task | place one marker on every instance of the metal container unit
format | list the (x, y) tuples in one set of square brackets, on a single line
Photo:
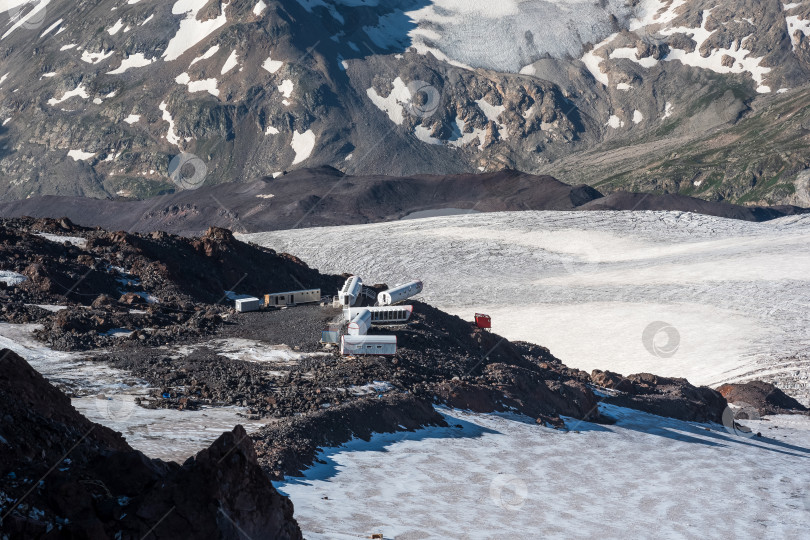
[(351, 291), (483, 321), (292, 298), (400, 293), (368, 345), (248, 304), (330, 337)]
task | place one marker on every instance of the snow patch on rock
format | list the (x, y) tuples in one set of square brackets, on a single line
[(80, 155), (272, 65), (11, 278), (79, 91), (192, 31), (204, 85), (302, 144), (230, 63), (392, 105), (134, 61)]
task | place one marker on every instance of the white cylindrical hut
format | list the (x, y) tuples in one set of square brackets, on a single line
[(360, 323), (350, 292), (400, 293)]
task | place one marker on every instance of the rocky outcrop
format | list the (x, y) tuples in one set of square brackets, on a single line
[(290, 446), (93, 485), (764, 397), (664, 396), (509, 388)]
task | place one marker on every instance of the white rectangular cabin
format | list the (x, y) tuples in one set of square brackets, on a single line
[(368, 345), (292, 298), (350, 292), (248, 304), (400, 293), (390, 314)]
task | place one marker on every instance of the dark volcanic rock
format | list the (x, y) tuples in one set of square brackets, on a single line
[(664, 396), (765, 397), (95, 486), (504, 388), (287, 202), (290, 445)]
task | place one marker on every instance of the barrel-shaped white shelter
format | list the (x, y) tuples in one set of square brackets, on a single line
[(368, 345), (360, 322), (400, 293), (390, 314), (350, 292)]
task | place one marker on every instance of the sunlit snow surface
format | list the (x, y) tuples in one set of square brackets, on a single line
[(502, 476), (587, 284)]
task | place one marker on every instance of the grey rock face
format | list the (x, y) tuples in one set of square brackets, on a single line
[(98, 98)]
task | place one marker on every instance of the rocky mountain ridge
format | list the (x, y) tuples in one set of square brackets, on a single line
[(100, 98)]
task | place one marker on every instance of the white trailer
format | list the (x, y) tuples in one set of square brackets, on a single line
[(350, 292), (360, 323), (292, 298), (368, 345), (400, 293), (248, 304), (390, 314)]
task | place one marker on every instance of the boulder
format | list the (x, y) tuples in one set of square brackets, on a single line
[(765, 397), (132, 299), (611, 380), (103, 301), (664, 396), (504, 387)]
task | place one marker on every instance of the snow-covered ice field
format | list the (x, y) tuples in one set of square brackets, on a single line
[(464, 31), (732, 297), (500, 476)]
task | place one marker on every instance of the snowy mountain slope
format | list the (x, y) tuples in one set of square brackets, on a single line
[(588, 285), (99, 97), (501, 476)]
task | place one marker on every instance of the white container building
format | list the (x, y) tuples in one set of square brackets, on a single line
[(400, 293), (368, 345), (292, 298), (390, 314), (360, 323), (350, 292), (248, 304)]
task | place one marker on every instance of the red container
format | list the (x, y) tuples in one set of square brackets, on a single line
[(483, 321)]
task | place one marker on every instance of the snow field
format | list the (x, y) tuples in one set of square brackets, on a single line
[(503, 476)]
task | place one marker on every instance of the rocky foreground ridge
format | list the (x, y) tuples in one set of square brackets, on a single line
[(66, 477)]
